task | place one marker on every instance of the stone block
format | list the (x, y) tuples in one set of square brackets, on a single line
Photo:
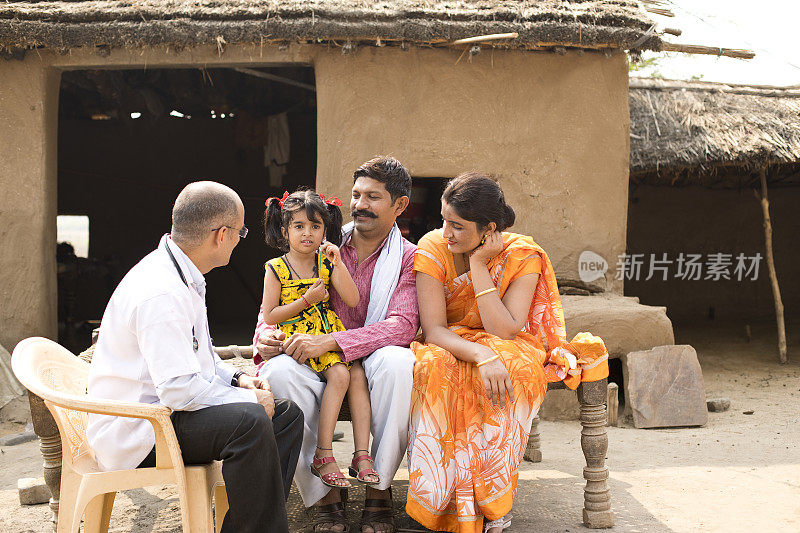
[(612, 404), (32, 491), (18, 438), (664, 387), (560, 404), (17, 411), (718, 405), (622, 322)]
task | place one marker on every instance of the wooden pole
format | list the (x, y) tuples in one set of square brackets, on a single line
[(707, 50), (773, 278), (485, 38)]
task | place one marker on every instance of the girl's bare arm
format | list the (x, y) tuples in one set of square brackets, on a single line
[(344, 284), (340, 277)]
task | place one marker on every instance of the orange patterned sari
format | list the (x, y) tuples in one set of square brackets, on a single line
[(463, 451)]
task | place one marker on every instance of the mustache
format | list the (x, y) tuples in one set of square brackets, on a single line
[(361, 213)]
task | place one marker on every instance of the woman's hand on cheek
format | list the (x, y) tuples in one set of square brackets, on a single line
[(493, 245)]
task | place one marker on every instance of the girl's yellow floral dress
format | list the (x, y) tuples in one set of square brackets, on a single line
[(315, 320)]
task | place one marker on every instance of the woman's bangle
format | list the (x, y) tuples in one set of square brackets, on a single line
[(306, 301), (487, 360), (487, 291)]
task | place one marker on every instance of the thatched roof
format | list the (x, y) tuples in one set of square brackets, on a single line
[(703, 133), (74, 23)]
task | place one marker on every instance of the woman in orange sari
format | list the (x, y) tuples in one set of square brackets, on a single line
[(494, 336)]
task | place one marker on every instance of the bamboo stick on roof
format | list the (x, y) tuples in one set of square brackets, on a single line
[(707, 50), (486, 38), (660, 11)]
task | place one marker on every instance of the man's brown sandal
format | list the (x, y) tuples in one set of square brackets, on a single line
[(334, 514), (382, 515)]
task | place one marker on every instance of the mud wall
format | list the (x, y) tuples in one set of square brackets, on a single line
[(553, 128), (28, 120)]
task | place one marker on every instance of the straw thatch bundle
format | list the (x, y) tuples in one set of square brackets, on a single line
[(179, 23), (699, 133)]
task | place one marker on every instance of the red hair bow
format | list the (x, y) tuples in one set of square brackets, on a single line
[(331, 201), (279, 200)]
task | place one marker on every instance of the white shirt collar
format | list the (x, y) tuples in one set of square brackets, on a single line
[(187, 265)]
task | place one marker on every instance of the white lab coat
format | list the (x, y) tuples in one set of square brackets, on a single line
[(145, 353)]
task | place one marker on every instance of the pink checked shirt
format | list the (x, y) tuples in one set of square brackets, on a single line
[(402, 318)]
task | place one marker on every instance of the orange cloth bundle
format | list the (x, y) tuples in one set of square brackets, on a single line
[(585, 358)]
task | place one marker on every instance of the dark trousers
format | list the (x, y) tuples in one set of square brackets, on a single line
[(258, 454)]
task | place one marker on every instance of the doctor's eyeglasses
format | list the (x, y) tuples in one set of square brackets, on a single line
[(242, 232)]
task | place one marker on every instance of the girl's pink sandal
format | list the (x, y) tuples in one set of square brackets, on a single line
[(359, 475), (330, 478)]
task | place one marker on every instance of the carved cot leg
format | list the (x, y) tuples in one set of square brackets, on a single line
[(50, 444), (533, 451), (594, 442)]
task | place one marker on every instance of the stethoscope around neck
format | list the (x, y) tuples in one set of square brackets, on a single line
[(195, 343)]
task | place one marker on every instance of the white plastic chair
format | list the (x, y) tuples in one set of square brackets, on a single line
[(57, 376)]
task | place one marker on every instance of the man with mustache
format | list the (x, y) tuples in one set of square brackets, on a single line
[(379, 331)]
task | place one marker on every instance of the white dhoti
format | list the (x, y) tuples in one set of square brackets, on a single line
[(390, 375)]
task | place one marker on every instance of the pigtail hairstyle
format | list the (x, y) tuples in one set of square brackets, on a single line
[(281, 210), (333, 226), (273, 226)]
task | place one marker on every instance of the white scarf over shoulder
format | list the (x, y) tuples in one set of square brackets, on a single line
[(386, 275)]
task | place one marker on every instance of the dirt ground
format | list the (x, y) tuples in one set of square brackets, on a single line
[(740, 472)]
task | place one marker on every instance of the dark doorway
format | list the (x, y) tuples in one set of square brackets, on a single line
[(130, 140), (424, 212)]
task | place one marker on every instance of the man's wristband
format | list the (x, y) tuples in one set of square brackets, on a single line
[(235, 378)]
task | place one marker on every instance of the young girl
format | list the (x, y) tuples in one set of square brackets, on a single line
[(308, 228)]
